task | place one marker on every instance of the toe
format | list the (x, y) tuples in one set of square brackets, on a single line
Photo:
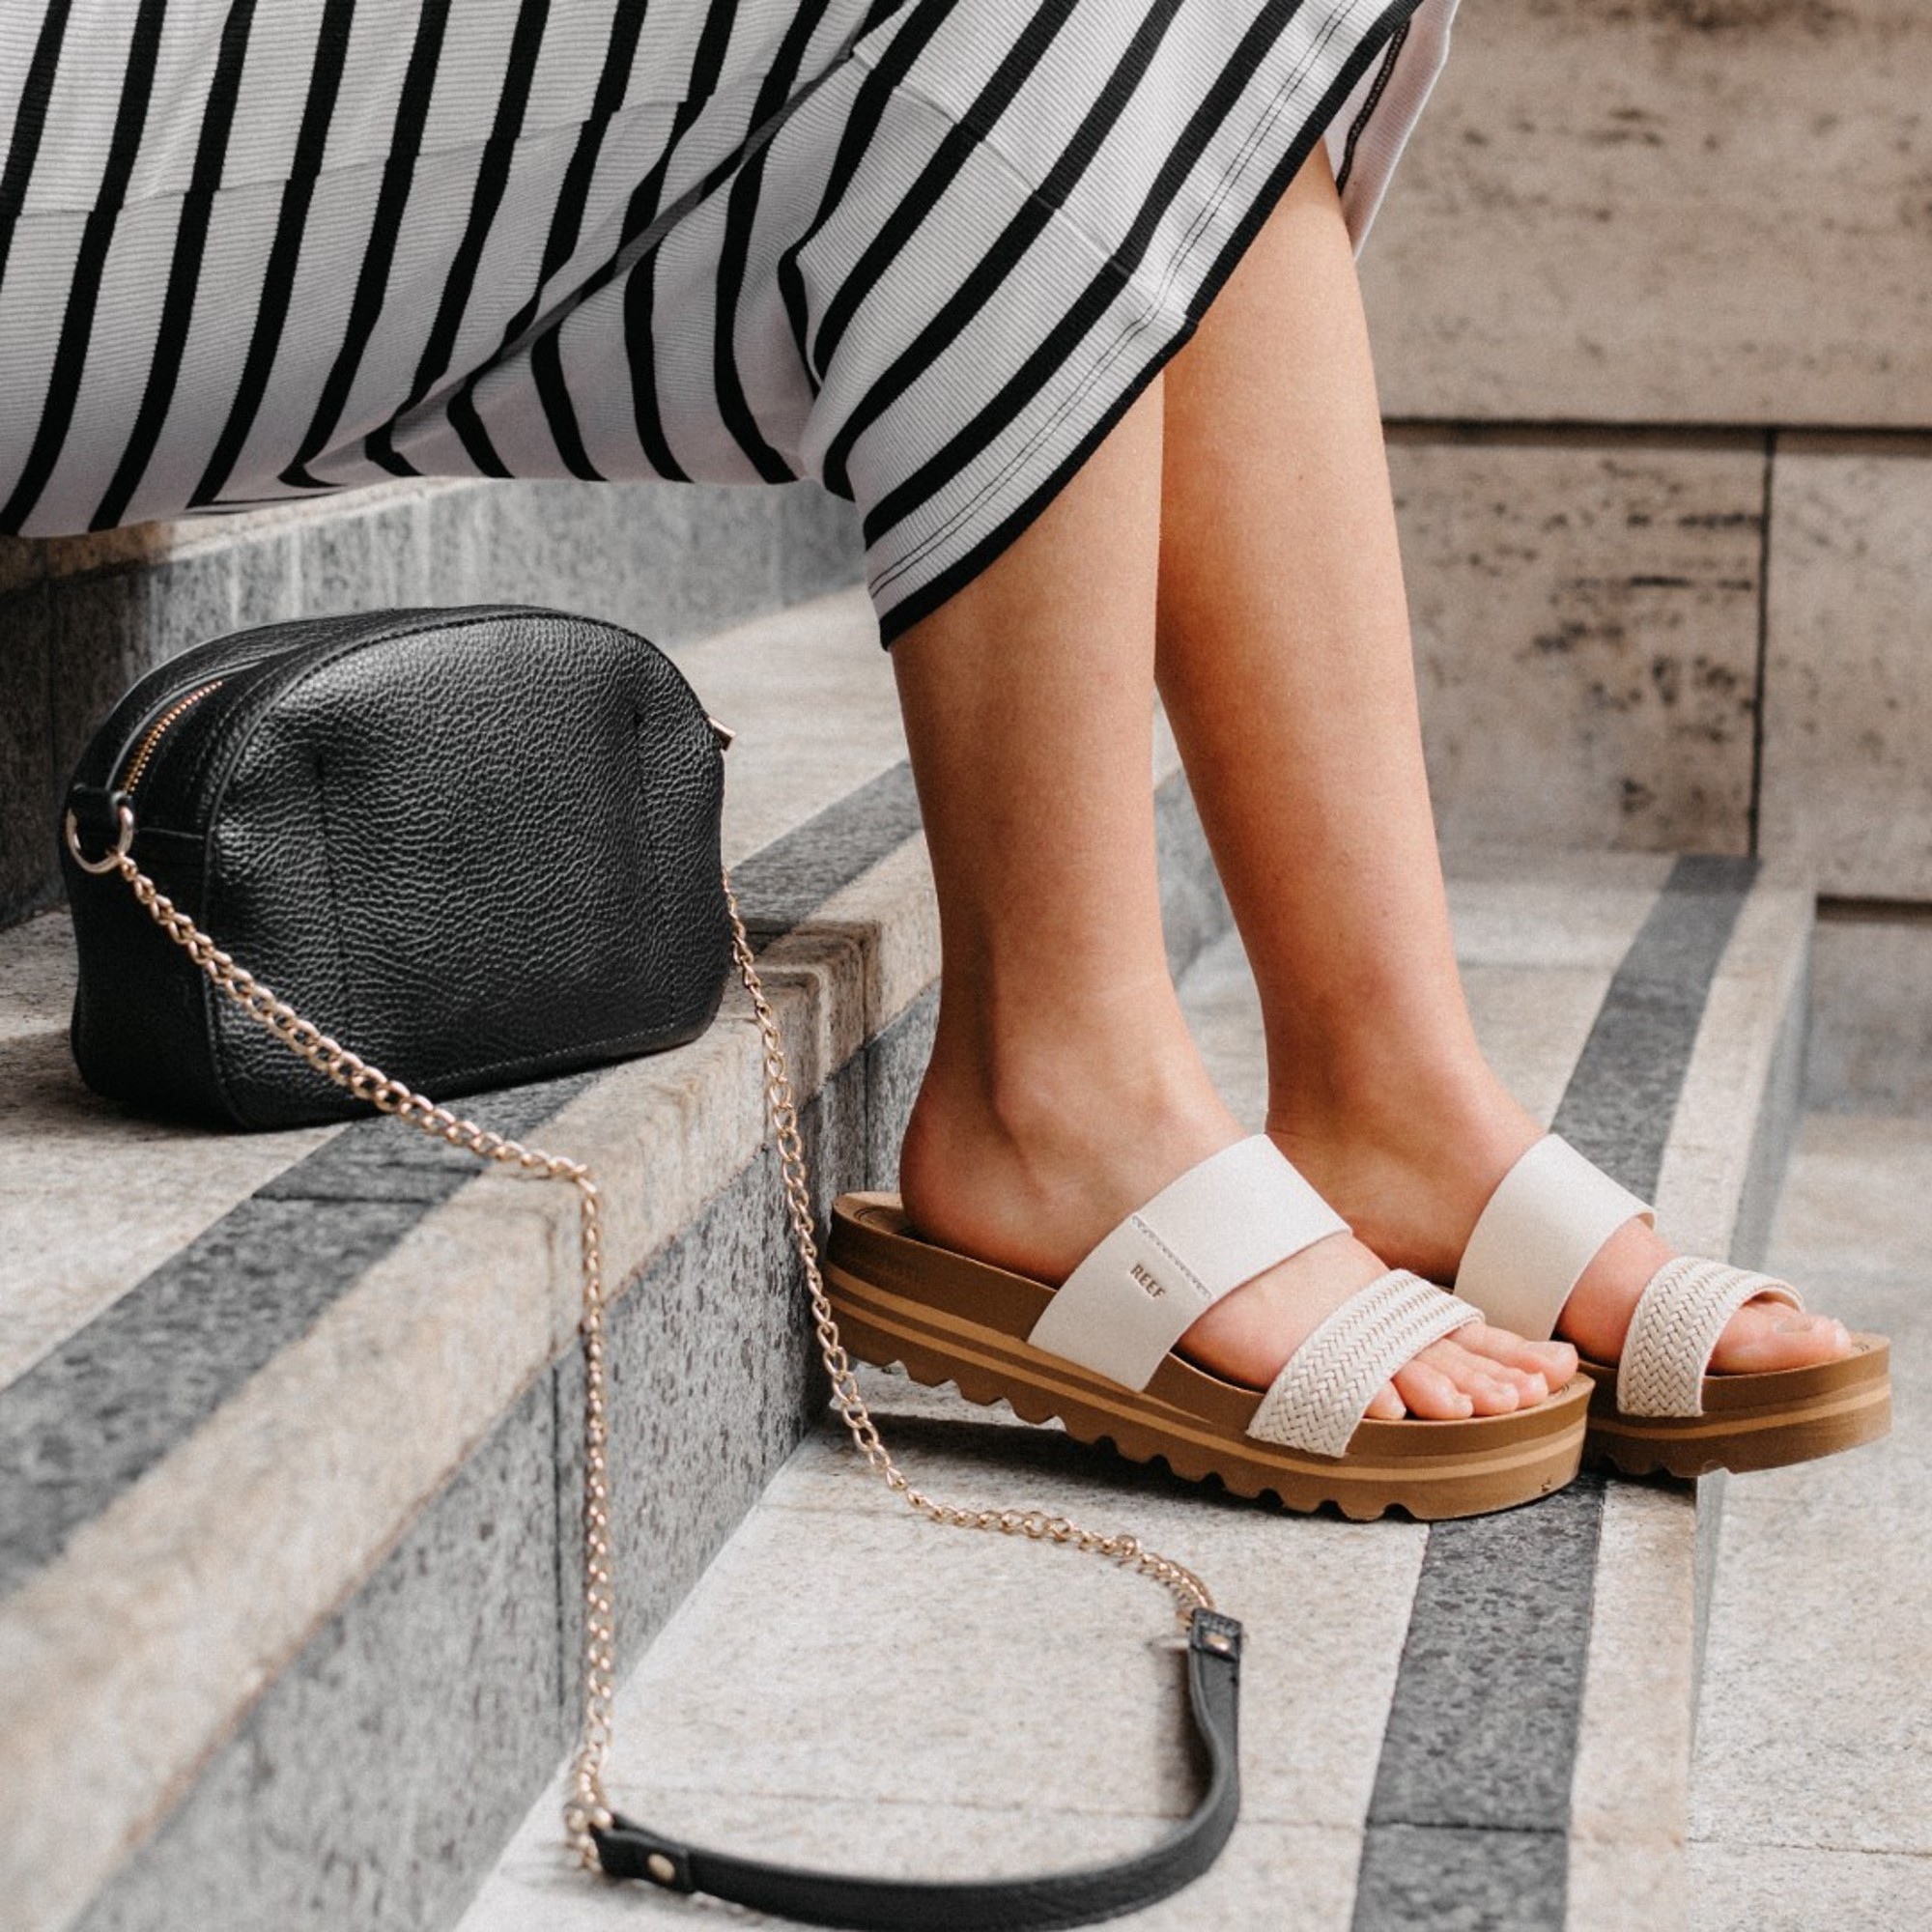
[(1430, 1394), (1494, 1389), (1496, 1355), (1531, 1387), (1488, 1389), (1553, 1362), (1766, 1336), (1388, 1406)]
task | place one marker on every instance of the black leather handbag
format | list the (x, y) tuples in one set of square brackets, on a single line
[(483, 845)]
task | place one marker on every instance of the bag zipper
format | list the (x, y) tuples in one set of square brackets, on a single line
[(151, 739), (144, 753)]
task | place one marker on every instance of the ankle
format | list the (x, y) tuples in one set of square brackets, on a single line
[(1058, 1113), (1410, 1160), (1421, 1105), (1026, 1073), (1028, 1160)]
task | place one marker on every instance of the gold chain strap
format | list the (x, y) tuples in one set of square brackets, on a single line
[(587, 1808)]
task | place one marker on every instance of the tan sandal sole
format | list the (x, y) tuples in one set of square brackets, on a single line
[(1750, 1422), (946, 1317)]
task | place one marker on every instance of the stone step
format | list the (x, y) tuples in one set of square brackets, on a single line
[(1811, 1791), (289, 1423), (1479, 1723)]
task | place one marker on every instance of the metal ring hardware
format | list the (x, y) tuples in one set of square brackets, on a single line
[(112, 861)]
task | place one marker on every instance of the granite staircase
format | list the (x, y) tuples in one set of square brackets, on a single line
[(288, 1425)]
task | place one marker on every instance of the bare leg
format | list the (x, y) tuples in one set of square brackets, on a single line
[(1284, 665), (1063, 1089)]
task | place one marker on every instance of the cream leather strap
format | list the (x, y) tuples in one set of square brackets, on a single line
[(1548, 1216), (1220, 1224), (1318, 1399), (1675, 1328)]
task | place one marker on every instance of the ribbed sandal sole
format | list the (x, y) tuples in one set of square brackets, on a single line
[(1749, 1421), (946, 1317)]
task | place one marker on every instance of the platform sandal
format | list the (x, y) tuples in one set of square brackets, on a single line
[(1098, 1351), (1661, 1409)]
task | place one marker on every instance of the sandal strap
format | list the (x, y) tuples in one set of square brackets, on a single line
[(1542, 1228), (1316, 1401), (1143, 1286), (1678, 1322)]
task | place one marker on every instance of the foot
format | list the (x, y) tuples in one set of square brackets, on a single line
[(1412, 1179), (1034, 1184)]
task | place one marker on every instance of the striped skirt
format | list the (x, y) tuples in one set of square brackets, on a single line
[(925, 251)]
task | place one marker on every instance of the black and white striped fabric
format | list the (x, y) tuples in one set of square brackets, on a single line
[(924, 250)]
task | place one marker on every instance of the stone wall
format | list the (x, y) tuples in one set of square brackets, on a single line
[(1652, 304), (1652, 300)]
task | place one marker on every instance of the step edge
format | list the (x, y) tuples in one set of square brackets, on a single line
[(57, 1734), (1651, 1688)]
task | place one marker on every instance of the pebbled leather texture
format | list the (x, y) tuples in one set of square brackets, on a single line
[(1035, 1904), (478, 846)]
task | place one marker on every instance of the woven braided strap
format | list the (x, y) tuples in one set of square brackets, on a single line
[(1318, 1399), (1677, 1325)]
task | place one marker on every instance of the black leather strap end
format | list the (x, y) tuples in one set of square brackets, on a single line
[(635, 1851), (1040, 1903), (1214, 1636)]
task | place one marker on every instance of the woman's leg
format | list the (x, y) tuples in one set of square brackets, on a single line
[(1285, 665), (1063, 1089)]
